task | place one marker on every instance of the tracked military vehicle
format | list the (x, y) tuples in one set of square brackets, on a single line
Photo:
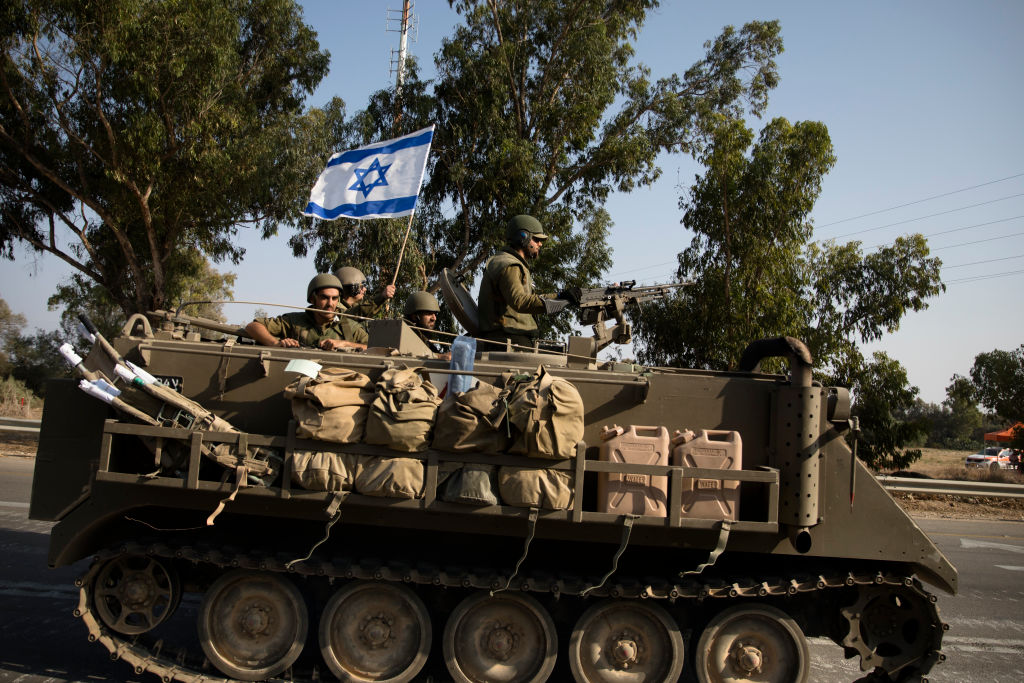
[(711, 555)]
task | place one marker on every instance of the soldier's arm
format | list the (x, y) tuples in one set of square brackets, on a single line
[(510, 284), (258, 331), (369, 308)]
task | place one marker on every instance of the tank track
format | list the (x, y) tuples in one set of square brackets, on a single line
[(150, 657)]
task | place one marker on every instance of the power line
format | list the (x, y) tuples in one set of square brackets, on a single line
[(978, 263), (966, 244), (919, 201), (932, 215), (989, 276)]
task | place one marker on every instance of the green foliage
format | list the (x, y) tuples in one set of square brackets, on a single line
[(757, 275), (28, 360), (998, 381), (135, 135), (539, 109), (35, 359), (883, 402), (10, 329)]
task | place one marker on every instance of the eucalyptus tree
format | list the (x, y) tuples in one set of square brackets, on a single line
[(137, 137), (757, 273), (541, 108)]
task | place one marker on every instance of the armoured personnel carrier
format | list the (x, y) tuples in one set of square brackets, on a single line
[(685, 524)]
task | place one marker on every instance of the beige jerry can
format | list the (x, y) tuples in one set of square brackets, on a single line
[(712, 449), (637, 494)]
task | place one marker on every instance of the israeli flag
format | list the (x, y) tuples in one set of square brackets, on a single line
[(381, 180)]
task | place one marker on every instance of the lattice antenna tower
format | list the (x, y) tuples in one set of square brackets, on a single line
[(405, 23)]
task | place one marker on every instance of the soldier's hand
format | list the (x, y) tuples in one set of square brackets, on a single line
[(552, 306), (389, 292), (287, 342), (572, 295)]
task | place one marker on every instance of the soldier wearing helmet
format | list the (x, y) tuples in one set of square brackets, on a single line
[(317, 326), (421, 311), (353, 294), (507, 303)]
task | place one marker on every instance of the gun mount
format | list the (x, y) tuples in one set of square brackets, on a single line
[(600, 305)]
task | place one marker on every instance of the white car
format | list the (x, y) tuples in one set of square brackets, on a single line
[(992, 457)]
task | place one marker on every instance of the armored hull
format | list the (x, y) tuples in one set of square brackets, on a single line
[(300, 585)]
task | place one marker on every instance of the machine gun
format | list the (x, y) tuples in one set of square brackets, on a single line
[(599, 304)]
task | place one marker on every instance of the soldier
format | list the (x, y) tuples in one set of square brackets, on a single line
[(353, 293), (317, 327), (506, 305), (421, 311)]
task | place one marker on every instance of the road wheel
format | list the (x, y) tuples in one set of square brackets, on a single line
[(375, 632), (752, 643), (507, 638), (252, 625), (626, 641)]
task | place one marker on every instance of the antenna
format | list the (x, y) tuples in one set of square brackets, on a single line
[(405, 22)]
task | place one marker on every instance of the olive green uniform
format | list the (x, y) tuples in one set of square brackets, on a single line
[(507, 304), (303, 327)]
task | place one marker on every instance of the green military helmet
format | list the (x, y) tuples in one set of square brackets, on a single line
[(352, 280), (522, 228), (321, 281), (419, 302)]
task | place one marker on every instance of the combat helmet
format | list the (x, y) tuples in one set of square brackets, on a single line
[(321, 281), (522, 228), (352, 280), (421, 301)]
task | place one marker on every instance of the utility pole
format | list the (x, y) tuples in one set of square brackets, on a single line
[(405, 19)]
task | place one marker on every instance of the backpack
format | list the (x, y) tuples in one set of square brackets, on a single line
[(471, 421), (332, 407), (547, 413), (402, 413)]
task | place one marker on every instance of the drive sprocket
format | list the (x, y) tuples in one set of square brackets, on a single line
[(896, 630)]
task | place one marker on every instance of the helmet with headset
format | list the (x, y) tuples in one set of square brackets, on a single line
[(352, 280), (523, 228)]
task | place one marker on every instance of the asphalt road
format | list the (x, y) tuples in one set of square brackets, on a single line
[(41, 641)]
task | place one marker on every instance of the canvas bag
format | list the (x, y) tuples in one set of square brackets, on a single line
[(531, 487), (331, 407), (547, 413), (471, 421), (402, 413), (325, 470), (390, 477)]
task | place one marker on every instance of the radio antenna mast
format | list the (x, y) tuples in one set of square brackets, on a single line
[(406, 21)]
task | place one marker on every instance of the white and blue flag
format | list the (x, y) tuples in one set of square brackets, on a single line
[(381, 180)]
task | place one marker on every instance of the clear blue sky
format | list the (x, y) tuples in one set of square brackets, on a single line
[(921, 98)]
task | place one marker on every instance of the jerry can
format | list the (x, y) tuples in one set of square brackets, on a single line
[(637, 494), (714, 449)]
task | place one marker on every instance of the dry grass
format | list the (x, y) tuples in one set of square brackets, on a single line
[(945, 464), (18, 401), (938, 463)]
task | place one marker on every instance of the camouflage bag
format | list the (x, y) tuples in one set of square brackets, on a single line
[(332, 407), (530, 487), (547, 413), (388, 477), (402, 414), (325, 470)]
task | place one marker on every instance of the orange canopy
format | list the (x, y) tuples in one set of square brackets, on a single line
[(1005, 435)]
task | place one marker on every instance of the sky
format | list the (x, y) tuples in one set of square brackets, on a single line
[(923, 102)]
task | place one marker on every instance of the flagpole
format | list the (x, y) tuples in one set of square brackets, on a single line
[(401, 251)]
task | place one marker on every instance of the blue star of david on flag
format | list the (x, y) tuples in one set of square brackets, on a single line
[(387, 187), (361, 174)]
